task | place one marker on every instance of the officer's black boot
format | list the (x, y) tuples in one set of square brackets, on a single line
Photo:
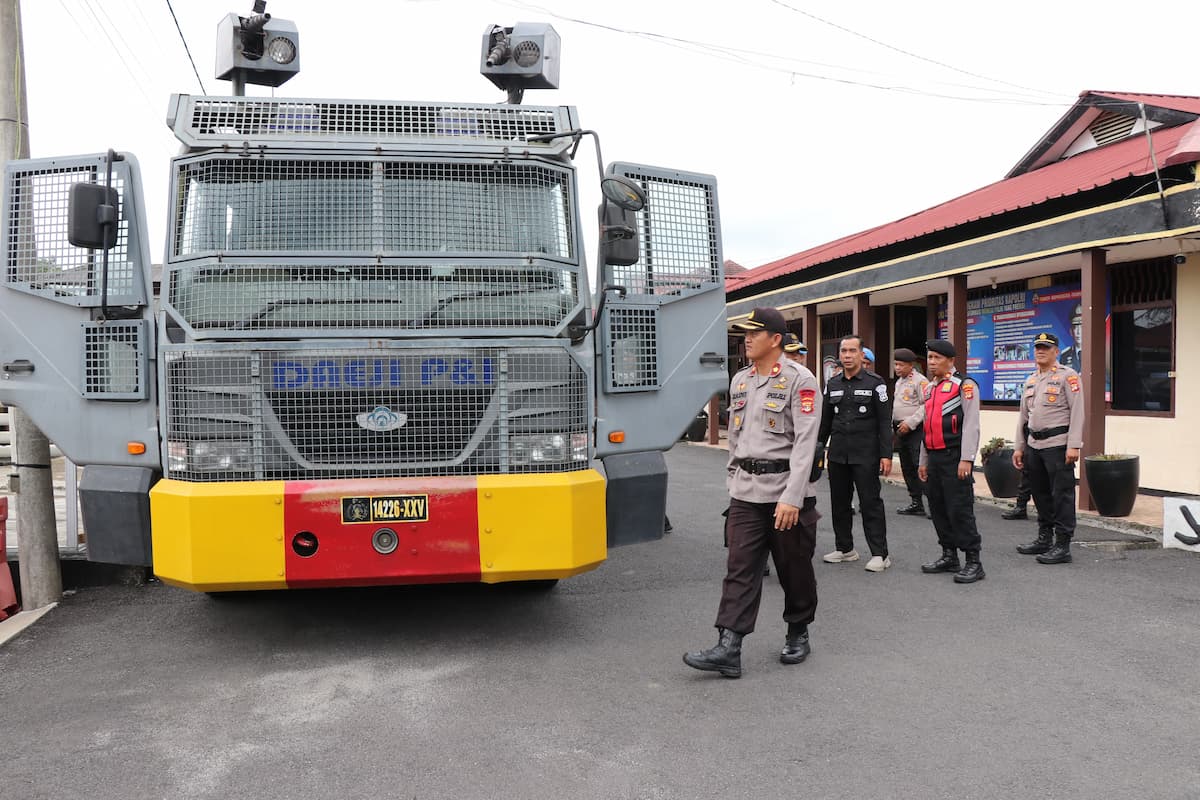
[(1038, 546), (795, 646), (947, 563), (725, 657), (972, 571), (1060, 553), (916, 508), (1016, 512)]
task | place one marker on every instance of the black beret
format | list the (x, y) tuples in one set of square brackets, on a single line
[(1045, 339), (763, 318), (904, 354), (941, 346)]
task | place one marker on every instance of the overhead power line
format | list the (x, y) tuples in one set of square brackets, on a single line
[(901, 50), (727, 53), (186, 49)]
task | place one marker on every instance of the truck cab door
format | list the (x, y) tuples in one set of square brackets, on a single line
[(661, 343), (76, 346)]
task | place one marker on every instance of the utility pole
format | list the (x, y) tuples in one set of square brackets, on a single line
[(37, 541)]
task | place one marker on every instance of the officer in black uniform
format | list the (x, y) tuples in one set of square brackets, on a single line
[(947, 459), (856, 420)]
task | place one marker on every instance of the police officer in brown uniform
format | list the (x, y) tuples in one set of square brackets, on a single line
[(773, 417), (947, 458), (908, 416), (1049, 437)]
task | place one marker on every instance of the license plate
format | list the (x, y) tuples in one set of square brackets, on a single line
[(390, 508)]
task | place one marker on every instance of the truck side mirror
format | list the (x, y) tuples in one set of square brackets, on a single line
[(618, 236), (92, 216)]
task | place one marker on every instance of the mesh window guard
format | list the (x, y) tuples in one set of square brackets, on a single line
[(334, 413)]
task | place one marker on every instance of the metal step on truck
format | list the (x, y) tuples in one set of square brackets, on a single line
[(377, 358)]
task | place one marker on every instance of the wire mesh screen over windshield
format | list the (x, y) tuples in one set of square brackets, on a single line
[(39, 257), (678, 246), (210, 295), (372, 207), (293, 414)]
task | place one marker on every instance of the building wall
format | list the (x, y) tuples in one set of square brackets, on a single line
[(1167, 446)]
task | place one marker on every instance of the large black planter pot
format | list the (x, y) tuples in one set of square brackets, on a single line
[(1113, 483), (1002, 477)]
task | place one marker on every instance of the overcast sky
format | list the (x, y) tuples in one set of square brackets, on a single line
[(780, 99)]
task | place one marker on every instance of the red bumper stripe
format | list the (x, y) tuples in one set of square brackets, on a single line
[(445, 548)]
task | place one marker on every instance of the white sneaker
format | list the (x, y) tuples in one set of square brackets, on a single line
[(877, 564), (838, 557)]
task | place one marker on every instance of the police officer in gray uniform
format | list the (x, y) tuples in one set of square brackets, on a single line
[(773, 418), (1052, 416)]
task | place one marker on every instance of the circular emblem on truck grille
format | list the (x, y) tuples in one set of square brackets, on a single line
[(381, 419)]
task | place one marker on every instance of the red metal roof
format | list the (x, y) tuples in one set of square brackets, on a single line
[(1088, 170), (1175, 102)]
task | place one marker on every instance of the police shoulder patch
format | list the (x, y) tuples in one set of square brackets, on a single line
[(881, 390), (1073, 382), (968, 390), (807, 400)]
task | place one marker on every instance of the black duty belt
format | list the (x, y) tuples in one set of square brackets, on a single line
[(762, 466), (1048, 432)]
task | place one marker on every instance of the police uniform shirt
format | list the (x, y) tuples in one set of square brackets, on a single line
[(773, 416), (856, 419), (909, 403), (968, 442), (1053, 399)]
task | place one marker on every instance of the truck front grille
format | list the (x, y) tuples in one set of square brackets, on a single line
[(235, 415)]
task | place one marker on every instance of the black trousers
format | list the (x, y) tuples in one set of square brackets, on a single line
[(752, 536), (910, 459), (844, 479), (1052, 481), (952, 501)]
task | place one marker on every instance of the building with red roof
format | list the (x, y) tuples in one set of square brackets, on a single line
[(1093, 235)]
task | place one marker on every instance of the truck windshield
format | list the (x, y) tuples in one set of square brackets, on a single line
[(443, 241), (409, 297), (372, 207)]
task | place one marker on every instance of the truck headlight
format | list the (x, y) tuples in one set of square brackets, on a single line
[(216, 455), (548, 448)]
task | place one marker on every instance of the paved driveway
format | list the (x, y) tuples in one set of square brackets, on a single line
[(1039, 682)]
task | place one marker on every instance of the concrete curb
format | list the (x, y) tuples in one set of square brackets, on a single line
[(17, 623)]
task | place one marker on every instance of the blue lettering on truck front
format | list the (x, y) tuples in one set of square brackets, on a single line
[(380, 373)]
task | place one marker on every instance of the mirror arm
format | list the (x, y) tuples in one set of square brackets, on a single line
[(107, 217), (577, 332)]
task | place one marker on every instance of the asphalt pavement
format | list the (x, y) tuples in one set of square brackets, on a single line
[(1073, 681)]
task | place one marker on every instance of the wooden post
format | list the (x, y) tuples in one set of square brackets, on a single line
[(1094, 279), (956, 316), (864, 319), (812, 338)]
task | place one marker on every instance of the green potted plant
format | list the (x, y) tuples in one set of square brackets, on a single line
[(1002, 477), (1113, 480)]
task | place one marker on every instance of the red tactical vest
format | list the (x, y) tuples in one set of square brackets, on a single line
[(943, 401)]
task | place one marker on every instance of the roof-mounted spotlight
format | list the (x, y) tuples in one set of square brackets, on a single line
[(258, 49), (522, 57)]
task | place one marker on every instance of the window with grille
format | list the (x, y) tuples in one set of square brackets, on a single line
[(1143, 335)]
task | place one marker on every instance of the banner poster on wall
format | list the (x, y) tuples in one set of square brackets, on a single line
[(1000, 331)]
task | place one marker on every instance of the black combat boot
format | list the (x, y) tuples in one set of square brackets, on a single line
[(795, 646), (1016, 512), (725, 657), (1038, 546), (947, 563), (1060, 553), (914, 509), (972, 571)]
